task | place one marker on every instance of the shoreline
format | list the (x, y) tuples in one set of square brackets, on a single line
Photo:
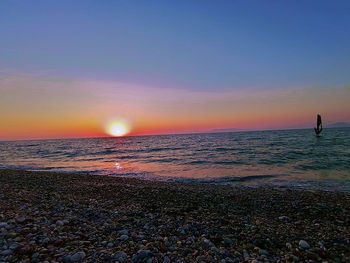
[(250, 181), (68, 217)]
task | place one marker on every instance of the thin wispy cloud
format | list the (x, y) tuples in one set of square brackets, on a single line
[(50, 103)]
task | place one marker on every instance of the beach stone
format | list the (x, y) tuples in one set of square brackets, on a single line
[(245, 255), (205, 243), (79, 256), (228, 242), (321, 244), (59, 223), (123, 232), (166, 260), (303, 244), (45, 240), (110, 244), (120, 256), (6, 252), (263, 252), (35, 255), (3, 224), (66, 259), (15, 246), (124, 237), (187, 251), (142, 255), (200, 259), (20, 219)]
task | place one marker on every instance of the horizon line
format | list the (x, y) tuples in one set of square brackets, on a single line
[(166, 134)]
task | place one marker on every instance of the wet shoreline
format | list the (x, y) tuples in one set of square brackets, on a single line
[(254, 181)]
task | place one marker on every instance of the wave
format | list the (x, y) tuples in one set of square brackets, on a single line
[(296, 153), (233, 179), (231, 162)]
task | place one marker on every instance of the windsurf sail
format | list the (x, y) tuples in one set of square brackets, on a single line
[(318, 129)]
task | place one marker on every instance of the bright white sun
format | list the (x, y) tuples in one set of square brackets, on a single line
[(117, 129)]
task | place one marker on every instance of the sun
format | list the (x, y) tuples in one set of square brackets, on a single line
[(117, 129)]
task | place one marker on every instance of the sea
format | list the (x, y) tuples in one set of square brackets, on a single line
[(283, 158)]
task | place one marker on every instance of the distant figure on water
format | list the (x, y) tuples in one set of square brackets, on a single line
[(318, 129)]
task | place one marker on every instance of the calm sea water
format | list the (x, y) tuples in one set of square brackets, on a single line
[(293, 157)]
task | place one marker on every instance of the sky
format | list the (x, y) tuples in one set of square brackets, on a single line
[(69, 68)]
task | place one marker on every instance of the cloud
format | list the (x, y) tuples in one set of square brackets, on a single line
[(63, 103)]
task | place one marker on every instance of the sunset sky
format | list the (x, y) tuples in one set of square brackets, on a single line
[(70, 68)]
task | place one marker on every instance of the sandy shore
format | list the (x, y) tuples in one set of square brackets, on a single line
[(52, 217)]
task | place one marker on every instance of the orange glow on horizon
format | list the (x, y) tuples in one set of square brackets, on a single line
[(37, 108)]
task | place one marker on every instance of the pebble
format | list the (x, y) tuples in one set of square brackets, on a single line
[(228, 242), (124, 237), (187, 251), (15, 246), (142, 255), (303, 244), (35, 255), (120, 256), (6, 252), (245, 255), (59, 223), (123, 232), (45, 240), (20, 219), (321, 244), (205, 243), (77, 257), (3, 224), (66, 259)]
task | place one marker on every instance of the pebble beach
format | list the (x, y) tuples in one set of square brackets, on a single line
[(63, 217)]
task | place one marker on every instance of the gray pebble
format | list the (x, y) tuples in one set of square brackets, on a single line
[(124, 237), (110, 244), (228, 242), (79, 256), (3, 224), (123, 232), (303, 244), (20, 219), (66, 259), (142, 255), (263, 252), (120, 256), (6, 252)]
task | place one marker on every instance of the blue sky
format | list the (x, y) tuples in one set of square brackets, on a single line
[(69, 68), (197, 45)]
